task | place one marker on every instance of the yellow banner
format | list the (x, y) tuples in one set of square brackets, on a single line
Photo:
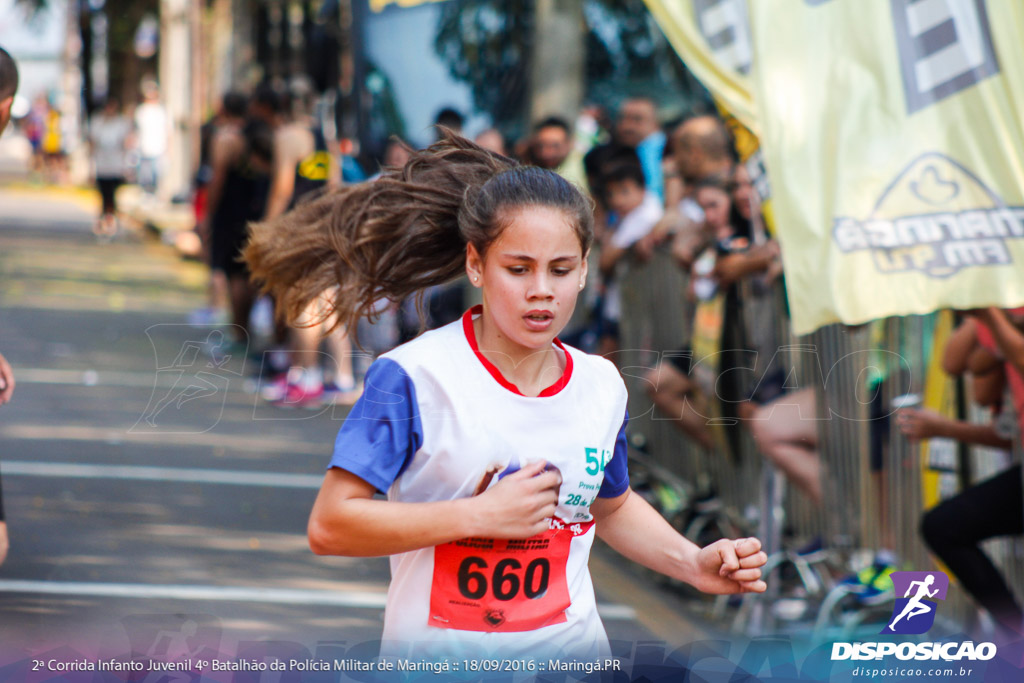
[(893, 134), (708, 327), (713, 39), (381, 5), (748, 148), (940, 462)]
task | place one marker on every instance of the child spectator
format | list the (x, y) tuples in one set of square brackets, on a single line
[(633, 212)]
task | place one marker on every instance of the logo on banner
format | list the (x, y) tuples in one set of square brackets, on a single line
[(937, 218), (914, 613), (726, 28), (945, 47)]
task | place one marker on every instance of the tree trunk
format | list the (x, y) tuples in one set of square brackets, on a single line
[(175, 94), (558, 59)]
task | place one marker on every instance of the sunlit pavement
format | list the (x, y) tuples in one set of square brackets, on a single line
[(151, 498)]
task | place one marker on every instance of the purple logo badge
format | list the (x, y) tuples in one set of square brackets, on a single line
[(916, 592)]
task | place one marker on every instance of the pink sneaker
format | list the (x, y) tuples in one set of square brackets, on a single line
[(276, 389), (296, 396)]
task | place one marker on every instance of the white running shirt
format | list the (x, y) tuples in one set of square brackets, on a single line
[(434, 419)]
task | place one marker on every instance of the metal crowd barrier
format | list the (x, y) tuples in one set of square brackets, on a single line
[(872, 475)]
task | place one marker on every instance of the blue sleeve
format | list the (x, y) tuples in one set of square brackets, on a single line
[(651, 152), (616, 472), (383, 431)]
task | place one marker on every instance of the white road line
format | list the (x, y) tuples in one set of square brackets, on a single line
[(179, 474), (90, 378), (616, 612), (284, 596), (181, 592), (281, 443)]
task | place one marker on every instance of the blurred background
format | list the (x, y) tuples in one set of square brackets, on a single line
[(167, 438), (379, 68)]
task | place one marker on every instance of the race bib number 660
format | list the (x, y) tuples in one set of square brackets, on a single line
[(499, 585)]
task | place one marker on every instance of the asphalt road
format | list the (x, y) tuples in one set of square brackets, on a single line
[(156, 507)]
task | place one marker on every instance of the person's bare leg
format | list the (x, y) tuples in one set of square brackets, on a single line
[(786, 432), (669, 389), (304, 342), (340, 347), (217, 291), (109, 224)]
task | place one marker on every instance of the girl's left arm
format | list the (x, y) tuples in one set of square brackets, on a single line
[(633, 528)]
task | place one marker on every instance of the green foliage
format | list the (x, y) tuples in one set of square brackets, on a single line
[(627, 55), (487, 44), (33, 6), (126, 69)]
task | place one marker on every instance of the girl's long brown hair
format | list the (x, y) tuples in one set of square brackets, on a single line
[(392, 238)]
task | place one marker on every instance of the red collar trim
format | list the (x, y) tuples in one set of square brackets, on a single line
[(467, 327)]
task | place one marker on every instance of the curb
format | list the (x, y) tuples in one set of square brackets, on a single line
[(86, 198), (171, 223)]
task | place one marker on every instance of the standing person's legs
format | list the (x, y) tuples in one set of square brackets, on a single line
[(304, 382), (954, 528), (242, 297), (107, 225), (217, 295), (149, 173), (315, 323), (227, 240), (305, 338), (340, 347), (786, 432)]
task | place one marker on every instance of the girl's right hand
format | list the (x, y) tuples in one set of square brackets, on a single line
[(519, 505)]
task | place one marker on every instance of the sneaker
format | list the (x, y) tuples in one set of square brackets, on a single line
[(299, 396), (872, 585), (276, 389), (345, 394), (333, 387), (812, 551), (272, 363)]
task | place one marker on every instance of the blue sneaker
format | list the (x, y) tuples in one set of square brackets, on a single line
[(872, 585)]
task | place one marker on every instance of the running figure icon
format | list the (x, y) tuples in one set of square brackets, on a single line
[(915, 607)]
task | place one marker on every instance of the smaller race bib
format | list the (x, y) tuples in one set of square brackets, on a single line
[(503, 585)]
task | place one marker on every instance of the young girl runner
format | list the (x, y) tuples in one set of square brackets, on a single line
[(501, 451)]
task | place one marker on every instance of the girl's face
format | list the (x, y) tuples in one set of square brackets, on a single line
[(715, 203), (530, 277)]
